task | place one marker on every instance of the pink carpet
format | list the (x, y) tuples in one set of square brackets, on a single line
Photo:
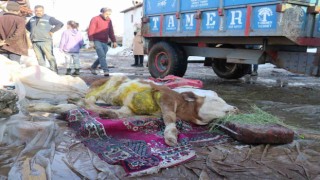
[(137, 143)]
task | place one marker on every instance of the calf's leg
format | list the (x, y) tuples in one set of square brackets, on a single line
[(123, 112), (171, 131)]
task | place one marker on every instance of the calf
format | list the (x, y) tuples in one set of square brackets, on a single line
[(139, 97)]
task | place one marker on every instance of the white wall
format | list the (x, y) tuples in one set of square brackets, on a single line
[(129, 27)]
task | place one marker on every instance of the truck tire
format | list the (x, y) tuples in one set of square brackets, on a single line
[(183, 61), (229, 70), (166, 59)]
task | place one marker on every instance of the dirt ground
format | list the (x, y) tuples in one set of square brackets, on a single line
[(293, 98)]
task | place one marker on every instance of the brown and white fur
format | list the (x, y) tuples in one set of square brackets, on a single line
[(172, 105)]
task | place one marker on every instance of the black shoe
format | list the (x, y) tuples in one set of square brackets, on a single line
[(76, 72), (134, 65), (68, 71), (106, 74), (254, 73), (140, 65), (54, 70)]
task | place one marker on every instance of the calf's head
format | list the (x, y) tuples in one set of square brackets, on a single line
[(209, 107), (214, 108)]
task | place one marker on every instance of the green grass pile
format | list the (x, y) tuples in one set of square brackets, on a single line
[(255, 117)]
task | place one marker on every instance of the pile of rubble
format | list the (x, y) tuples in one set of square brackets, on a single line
[(8, 103)]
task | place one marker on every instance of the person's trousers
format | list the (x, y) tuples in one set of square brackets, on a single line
[(138, 59), (11, 56), (72, 60), (255, 67), (101, 50), (44, 50)]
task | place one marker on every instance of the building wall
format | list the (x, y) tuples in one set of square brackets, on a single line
[(130, 25)]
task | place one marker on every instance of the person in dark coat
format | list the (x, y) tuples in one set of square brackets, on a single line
[(13, 38), (41, 28)]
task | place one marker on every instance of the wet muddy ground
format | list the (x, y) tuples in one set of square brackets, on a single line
[(293, 98)]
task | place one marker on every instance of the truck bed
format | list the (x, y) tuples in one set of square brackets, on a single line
[(294, 22)]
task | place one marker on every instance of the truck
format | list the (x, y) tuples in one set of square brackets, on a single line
[(231, 35)]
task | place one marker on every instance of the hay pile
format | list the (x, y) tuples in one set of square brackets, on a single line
[(255, 117), (256, 127)]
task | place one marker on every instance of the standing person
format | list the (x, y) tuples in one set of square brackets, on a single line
[(254, 70), (41, 28), (13, 38), (71, 43), (138, 49), (100, 30)]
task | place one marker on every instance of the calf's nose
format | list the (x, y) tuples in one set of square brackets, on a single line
[(234, 110)]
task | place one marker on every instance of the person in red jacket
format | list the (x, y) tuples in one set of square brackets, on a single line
[(100, 30)]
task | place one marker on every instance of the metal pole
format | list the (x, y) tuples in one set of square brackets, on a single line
[(221, 25)]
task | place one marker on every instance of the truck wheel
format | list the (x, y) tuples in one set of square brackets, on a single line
[(183, 61), (229, 70), (164, 60)]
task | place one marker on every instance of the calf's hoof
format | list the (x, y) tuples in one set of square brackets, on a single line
[(109, 115), (171, 141), (171, 136)]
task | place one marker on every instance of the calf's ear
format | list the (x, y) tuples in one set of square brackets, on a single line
[(189, 96)]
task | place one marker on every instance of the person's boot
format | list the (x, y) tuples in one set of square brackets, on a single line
[(76, 72), (135, 63), (54, 69), (140, 63), (68, 71), (53, 66)]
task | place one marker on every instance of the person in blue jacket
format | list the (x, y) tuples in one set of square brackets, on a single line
[(41, 28)]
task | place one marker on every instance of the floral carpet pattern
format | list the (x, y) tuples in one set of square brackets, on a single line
[(137, 143)]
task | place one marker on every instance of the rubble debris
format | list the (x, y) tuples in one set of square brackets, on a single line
[(8, 103)]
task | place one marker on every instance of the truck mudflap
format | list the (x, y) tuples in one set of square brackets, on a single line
[(297, 62)]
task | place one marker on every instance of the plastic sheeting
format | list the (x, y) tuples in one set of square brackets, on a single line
[(37, 82), (28, 140)]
